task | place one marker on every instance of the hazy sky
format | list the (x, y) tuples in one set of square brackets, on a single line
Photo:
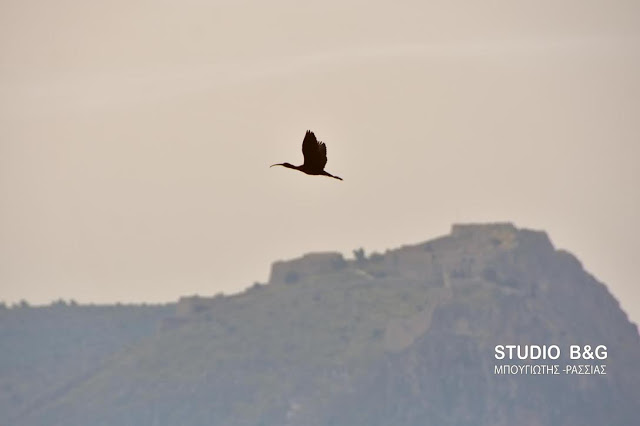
[(135, 136)]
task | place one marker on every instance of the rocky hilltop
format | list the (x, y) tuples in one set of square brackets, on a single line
[(402, 338)]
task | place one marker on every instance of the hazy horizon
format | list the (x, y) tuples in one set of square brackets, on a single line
[(136, 141)]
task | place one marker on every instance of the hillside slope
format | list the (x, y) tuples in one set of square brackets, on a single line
[(404, 338), (45, 351)]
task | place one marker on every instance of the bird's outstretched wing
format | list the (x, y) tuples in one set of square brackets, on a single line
[(314, 151)]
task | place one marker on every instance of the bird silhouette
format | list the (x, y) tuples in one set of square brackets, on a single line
[(315, 157)]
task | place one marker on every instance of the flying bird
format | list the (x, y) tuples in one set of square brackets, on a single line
[(315, 157)]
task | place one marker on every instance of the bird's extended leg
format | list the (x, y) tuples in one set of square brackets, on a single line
[(330, 175)]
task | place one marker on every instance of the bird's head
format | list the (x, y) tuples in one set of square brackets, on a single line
[(287, 165)]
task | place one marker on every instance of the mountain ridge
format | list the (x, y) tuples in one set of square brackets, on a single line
[(392, 338)]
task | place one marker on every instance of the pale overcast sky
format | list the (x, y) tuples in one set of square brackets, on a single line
[(135, 136)]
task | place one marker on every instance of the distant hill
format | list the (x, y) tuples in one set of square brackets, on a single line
[(401, 338), (44, 351)]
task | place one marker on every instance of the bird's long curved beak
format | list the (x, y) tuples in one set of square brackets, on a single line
[(278, 164)]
